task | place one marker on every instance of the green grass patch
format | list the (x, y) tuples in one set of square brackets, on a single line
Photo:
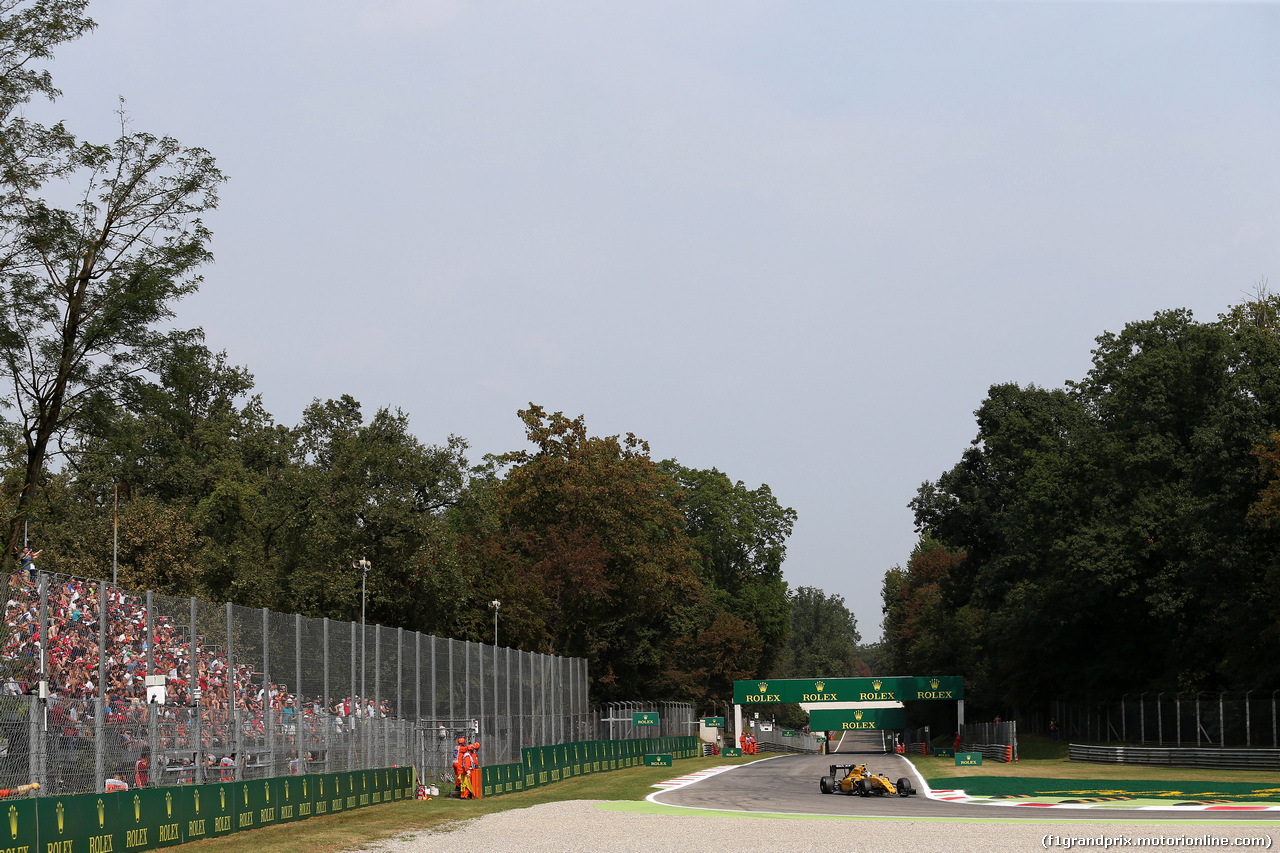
[(348, 830)]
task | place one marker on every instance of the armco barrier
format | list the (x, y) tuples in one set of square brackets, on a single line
[(1226, 759), (153, 818)]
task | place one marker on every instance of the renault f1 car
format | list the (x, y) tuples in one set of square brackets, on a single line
[(857, 779)]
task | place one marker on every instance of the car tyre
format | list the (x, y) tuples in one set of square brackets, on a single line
[(904, 788), (825, 784)]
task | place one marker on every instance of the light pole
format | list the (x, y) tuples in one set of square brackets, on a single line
[(364, 566), (115, 530), (495, 604)]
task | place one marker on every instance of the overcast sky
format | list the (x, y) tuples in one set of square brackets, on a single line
[(794, 241)]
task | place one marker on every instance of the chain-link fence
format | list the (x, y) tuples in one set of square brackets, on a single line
[(616, 721), (1224, 719), (103, 686), (998, 741)]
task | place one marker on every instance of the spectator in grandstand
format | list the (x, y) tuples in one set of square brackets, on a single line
[(27, 561)]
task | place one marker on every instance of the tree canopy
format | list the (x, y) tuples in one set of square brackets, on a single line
[(1112, 536)]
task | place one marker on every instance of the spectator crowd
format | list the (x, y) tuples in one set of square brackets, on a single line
[(75, 617)]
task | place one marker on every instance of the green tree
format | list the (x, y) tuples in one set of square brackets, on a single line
[(590, 536), (1106, 526), (29, 30), (84, 289), (740, 536), (824, 637)]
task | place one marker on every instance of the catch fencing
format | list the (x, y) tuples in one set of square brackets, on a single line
[(1205, 719), (917, 741), (286, 694), (996, 741)]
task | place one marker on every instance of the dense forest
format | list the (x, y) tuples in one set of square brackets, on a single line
[(124, 426), (1113, 536)]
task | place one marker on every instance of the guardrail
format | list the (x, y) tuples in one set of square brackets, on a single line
[(1227, 759)]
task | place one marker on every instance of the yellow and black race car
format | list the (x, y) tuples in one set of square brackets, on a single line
[(857, 779)]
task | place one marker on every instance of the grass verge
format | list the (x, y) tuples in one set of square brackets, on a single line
[(348, 830)]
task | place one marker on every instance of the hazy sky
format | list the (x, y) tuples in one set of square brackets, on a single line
[(794, 241)]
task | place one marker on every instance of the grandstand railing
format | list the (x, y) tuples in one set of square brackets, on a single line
[(284, 693)]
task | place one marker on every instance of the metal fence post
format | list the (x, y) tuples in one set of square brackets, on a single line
[(233, 701), (1248, 722), (356, 728), (493, 733), (397, 713), (326, 698), (99, 707), (299, 700), (1222, 721), (376, 728), (512, 754), (268, 716), (153, 718), (194, 696), (520, 701), (34, 740)]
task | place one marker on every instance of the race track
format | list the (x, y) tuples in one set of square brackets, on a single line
[(789, 785)]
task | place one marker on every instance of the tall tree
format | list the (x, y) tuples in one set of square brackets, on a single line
[(83, 289), (824, 637), (740, 535), (589, 524)]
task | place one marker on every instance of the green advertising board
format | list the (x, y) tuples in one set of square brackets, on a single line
[(968, 759), (732, 752), (644, 718), (852, 719), (659, 759), (945, 752), (713, 722), (788, 733), (888, 689), (19, 833)]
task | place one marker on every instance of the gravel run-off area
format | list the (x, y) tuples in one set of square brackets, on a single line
[(577, 826)]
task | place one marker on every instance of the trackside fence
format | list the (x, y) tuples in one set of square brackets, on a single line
[(1226, 759), (100, 684), (548, 764), (917, 741), (1248, 719), (778, 741), (996, 741)]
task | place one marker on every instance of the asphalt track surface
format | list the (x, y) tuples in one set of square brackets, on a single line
[(789, 785)]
